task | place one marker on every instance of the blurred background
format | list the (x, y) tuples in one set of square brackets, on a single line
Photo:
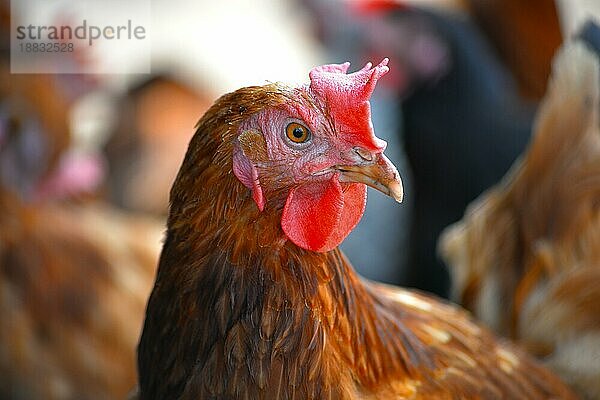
[(87, 161)]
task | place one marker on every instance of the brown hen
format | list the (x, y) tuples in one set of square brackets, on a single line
[(253, 299), (526, 257), (73, 282)]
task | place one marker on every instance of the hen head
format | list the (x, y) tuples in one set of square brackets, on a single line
[(314, 154)]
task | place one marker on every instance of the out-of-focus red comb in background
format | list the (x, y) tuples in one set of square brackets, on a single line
[(376, 6)]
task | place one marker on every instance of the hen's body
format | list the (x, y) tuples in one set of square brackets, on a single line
[(239, 311), (72, 287), (526, 257)]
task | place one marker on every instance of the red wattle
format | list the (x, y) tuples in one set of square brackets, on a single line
[(319, 216)]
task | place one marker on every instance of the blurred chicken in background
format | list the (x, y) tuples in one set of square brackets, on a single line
[(74, 274), (151, 136), (525, 35), (526, 257), (73, 278), (461, 134), (73, 286)]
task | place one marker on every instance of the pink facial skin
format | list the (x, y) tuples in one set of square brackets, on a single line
[(319, 211)]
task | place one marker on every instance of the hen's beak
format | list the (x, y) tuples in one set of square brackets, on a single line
[(381, 174)]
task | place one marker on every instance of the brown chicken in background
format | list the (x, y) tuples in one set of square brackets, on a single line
[(74, 275), (526, 257), (36, 105), (152, 132), (525, 34), (39, 92), (73, 284), (254, 300)]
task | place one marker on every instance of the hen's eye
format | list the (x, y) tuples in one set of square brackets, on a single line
[(297, 133)]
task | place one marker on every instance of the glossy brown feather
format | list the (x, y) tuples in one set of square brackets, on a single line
[(238, 311), (72, 287), (526, 257)]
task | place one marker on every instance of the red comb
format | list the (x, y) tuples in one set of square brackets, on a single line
[(376, 6), (347, 97)]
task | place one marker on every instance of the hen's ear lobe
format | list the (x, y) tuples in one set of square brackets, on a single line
[(250, 147)]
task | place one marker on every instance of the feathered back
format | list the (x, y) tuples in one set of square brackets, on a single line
[(522, 241), (73, 281)]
